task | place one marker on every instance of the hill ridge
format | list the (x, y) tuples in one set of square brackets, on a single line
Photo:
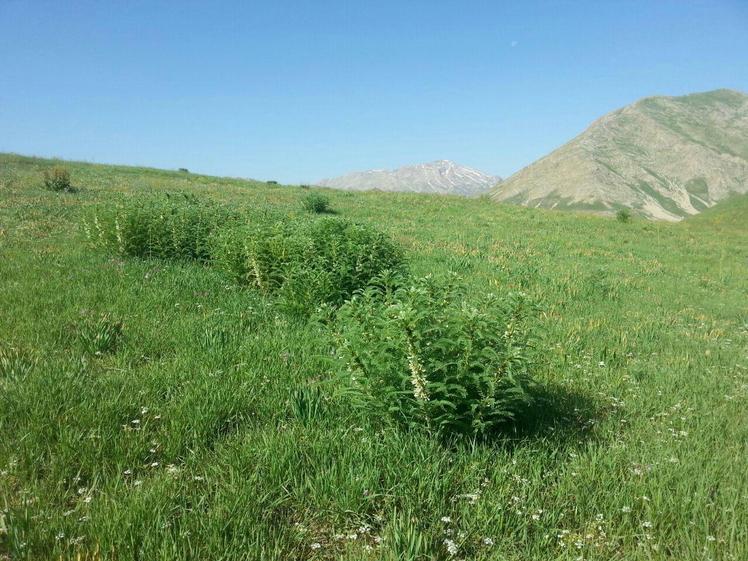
[(665, 157), (438, 176)]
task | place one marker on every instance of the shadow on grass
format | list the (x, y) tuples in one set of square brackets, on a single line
[(556, 414)]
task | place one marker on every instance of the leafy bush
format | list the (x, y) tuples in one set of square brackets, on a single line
[(257, 253), (427, 354), (171, 226), (57, 179), (316, 203), (623, 215), (306, 263)]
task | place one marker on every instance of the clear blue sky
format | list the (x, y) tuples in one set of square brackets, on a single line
[(298, 91)]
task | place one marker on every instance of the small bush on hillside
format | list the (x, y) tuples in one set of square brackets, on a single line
[(429, 355), (256, 253), (307, 263), (623, 215), (339, 257), (57, 179), (316, 203), (171, 226)]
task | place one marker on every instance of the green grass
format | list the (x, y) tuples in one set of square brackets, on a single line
[(207, 424)]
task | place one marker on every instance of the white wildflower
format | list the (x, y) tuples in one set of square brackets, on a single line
[(451, 547), (417, 374)]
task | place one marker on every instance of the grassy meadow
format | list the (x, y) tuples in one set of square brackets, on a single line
[(214, 425)]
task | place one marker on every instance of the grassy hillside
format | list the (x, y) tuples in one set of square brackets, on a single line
[(190, 441), (663, 157)]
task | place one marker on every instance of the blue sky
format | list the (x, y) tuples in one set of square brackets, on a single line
[(298, 91)]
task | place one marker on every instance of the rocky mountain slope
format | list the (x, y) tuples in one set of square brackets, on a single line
[(442, 177), (662, 157)]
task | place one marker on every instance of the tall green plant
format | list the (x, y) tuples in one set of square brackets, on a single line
[(429, 354), (316, 203), (171, 226), (307, 263), (57, 179)]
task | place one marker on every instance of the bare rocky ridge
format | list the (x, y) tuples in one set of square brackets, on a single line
[(662, 157), (442, 176)]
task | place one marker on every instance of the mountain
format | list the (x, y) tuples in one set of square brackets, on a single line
[(442, 177), (662, 157)]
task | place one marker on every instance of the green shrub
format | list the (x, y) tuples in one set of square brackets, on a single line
[(429, 355), (316, 203), (257, 253), (349, 256), (57, 179), (307, 263), (623, 215), (170, 226)]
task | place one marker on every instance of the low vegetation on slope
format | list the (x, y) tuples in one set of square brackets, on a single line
[(661, 157), (158, 408)]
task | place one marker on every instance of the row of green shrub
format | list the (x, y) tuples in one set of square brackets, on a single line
[(167, 227), (306, 263), (422, 351)]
